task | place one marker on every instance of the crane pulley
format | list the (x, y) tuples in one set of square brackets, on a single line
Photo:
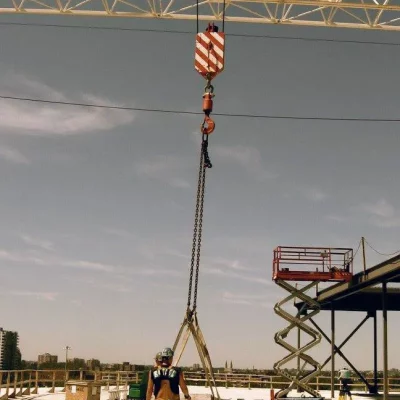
[(209, 61)]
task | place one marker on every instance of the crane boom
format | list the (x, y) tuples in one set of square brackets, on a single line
[(357, 14)]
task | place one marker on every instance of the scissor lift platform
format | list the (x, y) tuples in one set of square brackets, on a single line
[(313, 264)]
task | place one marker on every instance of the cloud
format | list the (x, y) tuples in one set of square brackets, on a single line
[(235, 275), (47, 261), (253, 300), (175, 253), (159, 271), (381, 209), (336, 218), (315, 194), (49, 296), (44, 259), (110, 286), (44, 119), (248, 157), (231, 264), (12, 155), (43, 244), (120, 233), (382, 213), (168, 169)]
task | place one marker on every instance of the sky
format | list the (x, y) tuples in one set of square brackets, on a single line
[(97, 205)]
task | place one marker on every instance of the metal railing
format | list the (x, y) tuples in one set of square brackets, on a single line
[(27, 382)]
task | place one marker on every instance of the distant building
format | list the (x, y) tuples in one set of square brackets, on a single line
[(196, 367), (93, 364), (76, 363), (2, 335), (47, 358), (228, 369), (10, 355), (127, 366), (138, 367)]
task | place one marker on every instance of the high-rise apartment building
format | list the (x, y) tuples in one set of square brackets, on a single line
[(47, 358), (2, 334), (10, 356)]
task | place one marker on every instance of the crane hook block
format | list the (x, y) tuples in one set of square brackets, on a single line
[(210, 126), (209, 54), (207, 103)]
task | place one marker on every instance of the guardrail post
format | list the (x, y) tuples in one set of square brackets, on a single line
[(15, 383), (21, 383), (8, 384), (27, 391)]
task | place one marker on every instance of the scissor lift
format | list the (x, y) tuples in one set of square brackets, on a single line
[(305, 264)]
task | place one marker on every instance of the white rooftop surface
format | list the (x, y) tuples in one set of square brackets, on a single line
[(197, 393)]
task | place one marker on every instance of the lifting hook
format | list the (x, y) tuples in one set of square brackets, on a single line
[(210, 125)]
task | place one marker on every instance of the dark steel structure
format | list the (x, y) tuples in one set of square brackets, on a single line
[(361, 294)]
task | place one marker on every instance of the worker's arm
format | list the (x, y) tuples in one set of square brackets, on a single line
[(150, 387), (183, 386)]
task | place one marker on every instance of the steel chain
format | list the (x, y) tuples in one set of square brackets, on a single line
[(195, 228), (200, 226), (198, 220)]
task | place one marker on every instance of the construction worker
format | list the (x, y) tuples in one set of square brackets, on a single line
[(345, 379), (145, 376), (157, 359), (165, 380)]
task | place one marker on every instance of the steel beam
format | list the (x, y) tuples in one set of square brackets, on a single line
[(355, 14), (368, 300), (384, 271)]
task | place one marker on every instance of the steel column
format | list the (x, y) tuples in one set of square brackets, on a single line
[(376, 389), (385, 342), (333, 350)]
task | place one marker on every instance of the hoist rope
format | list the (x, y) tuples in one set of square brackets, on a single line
[(223, 18), (197, 16)]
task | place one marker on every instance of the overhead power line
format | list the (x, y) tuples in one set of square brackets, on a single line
[(380, 253), (250, 36), (182, 112)]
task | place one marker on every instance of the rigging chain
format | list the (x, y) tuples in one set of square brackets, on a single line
[(198, 222)]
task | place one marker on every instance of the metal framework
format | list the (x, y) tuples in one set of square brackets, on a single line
[(293, 264), (313, 264), (361, 294), (300, 321), (190, 326), (358, 14)]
